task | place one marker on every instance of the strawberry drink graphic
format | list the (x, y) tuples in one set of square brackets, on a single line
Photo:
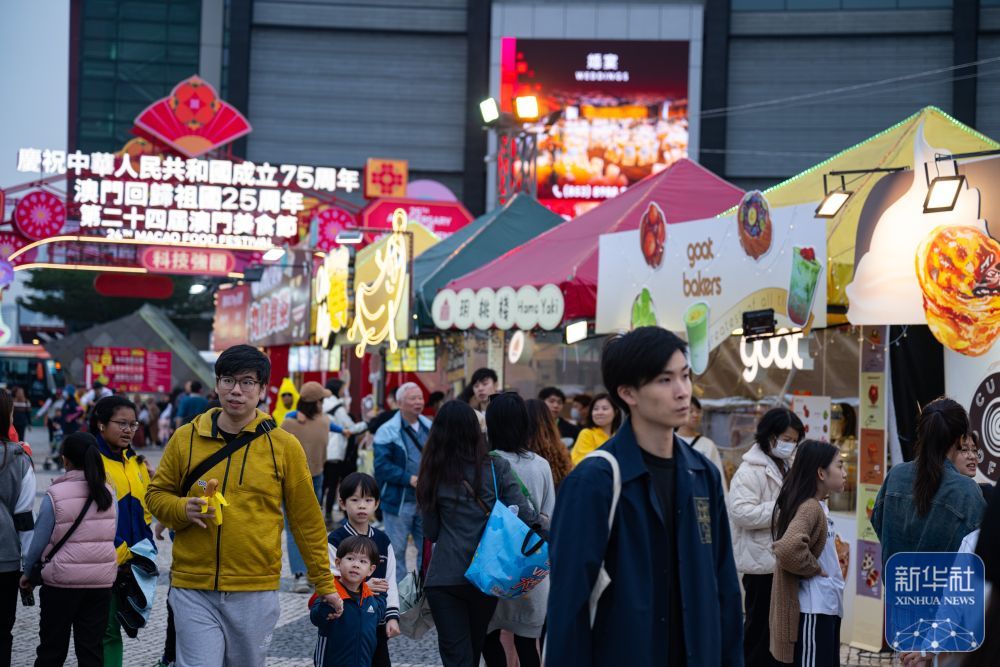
[(802, 286)]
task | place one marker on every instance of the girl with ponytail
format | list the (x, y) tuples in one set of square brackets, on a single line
[(77, 576), (927, 504)]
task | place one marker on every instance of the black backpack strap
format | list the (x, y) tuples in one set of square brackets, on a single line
[(79, 517), (233, 446)]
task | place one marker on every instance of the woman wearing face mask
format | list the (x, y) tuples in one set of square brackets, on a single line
[(752, 494)]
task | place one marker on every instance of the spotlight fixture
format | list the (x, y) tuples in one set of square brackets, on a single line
[(576, 331), (197, 288), (758, 322), (490, 110), (350, 237), (832, 203), (273, 254), (526, 107), (942, 195)]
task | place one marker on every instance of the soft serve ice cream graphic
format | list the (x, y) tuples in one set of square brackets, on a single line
[(886, 289)]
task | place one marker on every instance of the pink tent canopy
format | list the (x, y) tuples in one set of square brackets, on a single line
[(567, 254)]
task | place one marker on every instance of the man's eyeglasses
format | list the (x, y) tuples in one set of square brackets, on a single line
[(124, 425), (246, 384)]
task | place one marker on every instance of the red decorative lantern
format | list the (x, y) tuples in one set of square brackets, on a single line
[(329, 223), (40, 215)]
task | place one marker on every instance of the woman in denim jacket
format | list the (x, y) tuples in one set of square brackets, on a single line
[(927, 504)]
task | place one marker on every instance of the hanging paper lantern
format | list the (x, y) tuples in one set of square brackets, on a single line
[(6, 273), (40, 215), (330, 222)]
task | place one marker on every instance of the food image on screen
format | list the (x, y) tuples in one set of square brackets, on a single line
[(643, 310), (958, 269), (621, 112), (754, 220), (653, 235)]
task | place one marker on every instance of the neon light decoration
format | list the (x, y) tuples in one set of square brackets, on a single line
[(377, 303)]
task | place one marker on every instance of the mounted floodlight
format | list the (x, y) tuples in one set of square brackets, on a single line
[(273, 254), (526, 107), (197, 288), (576, 331), (758, 322), (490, 111), (942, 195), (832, 204), (350, 237)]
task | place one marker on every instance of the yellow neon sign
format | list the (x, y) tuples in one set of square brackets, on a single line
[(330, 288), (376, 303)]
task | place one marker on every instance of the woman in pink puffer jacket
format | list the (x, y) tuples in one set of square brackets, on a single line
[(77, 579)]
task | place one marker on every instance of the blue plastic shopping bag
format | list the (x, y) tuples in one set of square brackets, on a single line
[(511, 558)]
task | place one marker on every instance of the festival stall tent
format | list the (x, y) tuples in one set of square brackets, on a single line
[(476, 244), (567, 255)]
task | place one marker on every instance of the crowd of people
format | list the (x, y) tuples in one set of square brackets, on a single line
[(648, 544)]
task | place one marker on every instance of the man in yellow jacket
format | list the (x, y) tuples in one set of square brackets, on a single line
[(226, 569)]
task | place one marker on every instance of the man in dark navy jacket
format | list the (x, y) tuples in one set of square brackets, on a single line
[(674, 598)]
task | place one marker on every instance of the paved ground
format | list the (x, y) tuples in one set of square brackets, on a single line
[(294, 637)]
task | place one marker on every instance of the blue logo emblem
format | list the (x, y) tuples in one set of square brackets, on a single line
[(935, 602)]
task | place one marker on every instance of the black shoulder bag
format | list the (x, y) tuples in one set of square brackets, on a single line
[(35, 576), (233, 446)]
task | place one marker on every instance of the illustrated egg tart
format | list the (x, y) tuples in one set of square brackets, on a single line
[(958, 269)]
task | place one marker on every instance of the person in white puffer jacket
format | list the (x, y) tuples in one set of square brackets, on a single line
[(752, 494)]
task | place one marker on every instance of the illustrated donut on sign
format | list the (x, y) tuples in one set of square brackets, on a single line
[(754, 221)]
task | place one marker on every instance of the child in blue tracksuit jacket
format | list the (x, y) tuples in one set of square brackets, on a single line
[(349, 640)]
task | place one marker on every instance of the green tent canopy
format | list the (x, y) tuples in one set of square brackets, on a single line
[(475, 245)]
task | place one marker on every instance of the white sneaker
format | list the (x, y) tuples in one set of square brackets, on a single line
[(301, 584)]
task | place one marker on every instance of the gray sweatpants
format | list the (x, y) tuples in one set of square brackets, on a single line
[(217, 629)]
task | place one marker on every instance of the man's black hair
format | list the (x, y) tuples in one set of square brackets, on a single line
[(243, 359), (548, 392), (359, 482), (196, 387), (359, 544), (435, 397), (483, 374), (636, 359)]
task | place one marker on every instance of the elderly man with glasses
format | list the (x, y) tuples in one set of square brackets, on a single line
[(226, 568)]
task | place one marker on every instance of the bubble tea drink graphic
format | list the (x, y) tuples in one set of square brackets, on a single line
[(802, 286), (696, 324)]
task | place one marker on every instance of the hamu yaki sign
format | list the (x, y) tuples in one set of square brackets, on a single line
[(161, 188), (697, 278)]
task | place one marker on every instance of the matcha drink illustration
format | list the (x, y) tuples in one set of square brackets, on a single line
[(802, 286), (696, 324), (643, 311)]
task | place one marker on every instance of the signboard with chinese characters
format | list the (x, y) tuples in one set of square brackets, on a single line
[(274, 311), (170, 200), (441, 217), (624, 111), (505, 308), (128, 369), (188, 261)]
